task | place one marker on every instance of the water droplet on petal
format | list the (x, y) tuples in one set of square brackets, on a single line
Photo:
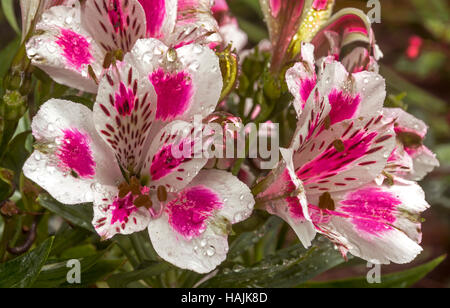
[(210, 251), (203, 243)]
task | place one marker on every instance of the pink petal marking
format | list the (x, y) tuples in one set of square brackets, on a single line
[(295, 208), (174, 92), (188, 214), (371, 210), (320, 5), (75, 49), (275, 6), (124, 102), (306, 88), (330, 162), (122, 208), (155, 12), (220, 6), (343, 105), (75, 153), (345, 25), (164, 163)]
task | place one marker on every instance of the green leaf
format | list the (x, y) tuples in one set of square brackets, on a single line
[(16, 155), (123, 279), (7, 56), (403, 279), (287, 268), (54, 274), (416, 96), (8, 10), (6, 183), (79, 215), (246, 240), (68, 237), (22, 271), (96, 273)]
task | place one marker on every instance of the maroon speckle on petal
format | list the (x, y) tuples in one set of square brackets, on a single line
[(306, 87), (124, 101)]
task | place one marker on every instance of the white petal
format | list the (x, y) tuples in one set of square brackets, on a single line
[(372, 88), (424, 161), (103, 223), (172, 160), (201, 255), (202, 76), (379, 223), (120, 34), (48, 125), (289, 199), (124, 113), (393, 246), (233, 35), (64, 49), (333, 75), (195, 24), (301, 78), (237, 198), (366, 145)]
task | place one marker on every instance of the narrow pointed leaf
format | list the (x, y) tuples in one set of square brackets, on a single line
[(22, 271)]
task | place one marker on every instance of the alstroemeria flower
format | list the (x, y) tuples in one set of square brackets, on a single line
[(293, 22), (121, 156), (75, 44), (411, 159), (348, 94), (326, 180), (228, 26)]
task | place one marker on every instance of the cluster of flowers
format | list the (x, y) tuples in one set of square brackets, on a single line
[(349, 172)]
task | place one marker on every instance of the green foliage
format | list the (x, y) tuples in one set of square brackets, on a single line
[(8, 10), (286, 268), (79, 215), (403, 279), (23, 271)]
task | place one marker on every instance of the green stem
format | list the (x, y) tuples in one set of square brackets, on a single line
[(136, 243), (133, 261), (8, 233)]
